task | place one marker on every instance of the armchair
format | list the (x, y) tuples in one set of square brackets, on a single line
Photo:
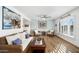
[(50, 33), (37, 32)]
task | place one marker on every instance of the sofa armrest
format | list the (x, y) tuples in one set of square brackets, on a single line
[(10, 48)]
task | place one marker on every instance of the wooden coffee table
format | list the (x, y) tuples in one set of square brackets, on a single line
[(38, 48)]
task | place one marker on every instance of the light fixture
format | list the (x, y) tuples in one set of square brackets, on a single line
[(43, 17)]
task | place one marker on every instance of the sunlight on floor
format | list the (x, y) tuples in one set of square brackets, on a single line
[(61, 48)]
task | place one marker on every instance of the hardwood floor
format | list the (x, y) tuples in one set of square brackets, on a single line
[(55, 44)]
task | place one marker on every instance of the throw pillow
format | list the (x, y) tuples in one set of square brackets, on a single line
[(27, 36), (17, 42)]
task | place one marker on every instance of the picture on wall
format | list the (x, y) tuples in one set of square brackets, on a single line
[(42, 24), (10, 19)]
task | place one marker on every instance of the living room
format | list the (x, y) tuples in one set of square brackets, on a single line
[(39, 29)]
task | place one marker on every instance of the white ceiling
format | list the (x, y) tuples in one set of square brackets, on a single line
[(34, 11)]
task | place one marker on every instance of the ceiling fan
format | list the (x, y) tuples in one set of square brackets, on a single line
[(44, 16)]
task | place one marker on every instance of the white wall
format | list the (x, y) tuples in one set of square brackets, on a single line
[(75, 39)]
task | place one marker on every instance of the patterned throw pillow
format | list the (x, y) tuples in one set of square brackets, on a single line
[(27, 36), (17, 42)]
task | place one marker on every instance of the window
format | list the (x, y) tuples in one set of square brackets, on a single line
[(67, 26), (42, 24), (59, 26), (71, 30), (62, 29), (65, 29)]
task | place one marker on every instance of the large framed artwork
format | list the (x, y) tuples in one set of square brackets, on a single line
[(42, 24), (10, 19)]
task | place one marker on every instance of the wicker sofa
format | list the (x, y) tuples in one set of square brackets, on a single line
[(5, 47)]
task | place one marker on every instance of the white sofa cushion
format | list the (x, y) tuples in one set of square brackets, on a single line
[(11, 38), (22, 35), (25, 43)]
